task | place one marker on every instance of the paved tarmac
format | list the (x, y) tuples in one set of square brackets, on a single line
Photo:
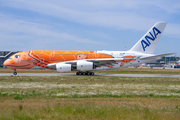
[(73, 74)]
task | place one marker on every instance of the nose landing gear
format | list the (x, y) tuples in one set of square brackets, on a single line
[(84, 73), (15, 73)]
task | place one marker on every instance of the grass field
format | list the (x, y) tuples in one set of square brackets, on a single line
[(89, 97)]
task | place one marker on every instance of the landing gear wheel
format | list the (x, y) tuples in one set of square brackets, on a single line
[(15, 73), (92, 73), (84, 73)]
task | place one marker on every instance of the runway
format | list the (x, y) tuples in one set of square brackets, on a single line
[(73, 74)]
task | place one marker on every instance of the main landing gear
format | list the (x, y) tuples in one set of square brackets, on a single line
[(84, 73), (15, 73)]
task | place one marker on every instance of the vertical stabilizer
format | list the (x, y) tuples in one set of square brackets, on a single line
[(148, 42)]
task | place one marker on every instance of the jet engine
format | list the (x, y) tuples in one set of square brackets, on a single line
[(85, 66), (60, 67)]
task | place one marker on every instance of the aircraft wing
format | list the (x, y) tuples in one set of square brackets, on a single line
[(103, 61), (107, 61), (155, 56)]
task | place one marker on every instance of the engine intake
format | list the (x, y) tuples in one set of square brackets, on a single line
[(85, 66), (63, 67)]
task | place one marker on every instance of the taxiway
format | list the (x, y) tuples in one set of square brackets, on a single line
[(73, 74)]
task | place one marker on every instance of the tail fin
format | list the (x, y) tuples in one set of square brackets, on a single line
[(148, 42)]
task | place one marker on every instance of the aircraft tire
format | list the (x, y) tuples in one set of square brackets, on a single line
[(92, 73), (15, 73), (84, 73)]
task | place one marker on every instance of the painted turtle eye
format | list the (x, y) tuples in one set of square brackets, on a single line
[(17, 56)]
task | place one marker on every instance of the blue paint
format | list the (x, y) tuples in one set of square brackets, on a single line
[(148, 39)]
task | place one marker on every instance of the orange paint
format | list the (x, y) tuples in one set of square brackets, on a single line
[(126, 61), (29, 59)]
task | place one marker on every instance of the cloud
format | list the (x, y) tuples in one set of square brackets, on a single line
[(169, 6), (20, 31), (91, 12), (130, 14)]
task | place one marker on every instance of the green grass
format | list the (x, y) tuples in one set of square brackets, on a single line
[(103, 108), (88, 86), (89, 97)]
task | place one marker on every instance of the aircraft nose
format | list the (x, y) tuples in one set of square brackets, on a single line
[(6, 63)]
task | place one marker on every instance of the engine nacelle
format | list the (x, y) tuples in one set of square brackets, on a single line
[(85, 66), (60, 67)]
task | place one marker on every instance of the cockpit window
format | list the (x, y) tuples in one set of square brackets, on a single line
[(17, 56)]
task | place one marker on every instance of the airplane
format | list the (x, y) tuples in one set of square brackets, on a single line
[(84, 62), (176, 64)]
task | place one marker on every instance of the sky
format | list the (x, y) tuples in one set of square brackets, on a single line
[(114, 25)]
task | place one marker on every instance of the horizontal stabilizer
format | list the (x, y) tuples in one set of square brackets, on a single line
[(156, 56)]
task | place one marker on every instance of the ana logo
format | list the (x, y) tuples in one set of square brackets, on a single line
[(152, 37)]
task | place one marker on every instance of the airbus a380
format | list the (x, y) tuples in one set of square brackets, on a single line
[(86, 61)]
